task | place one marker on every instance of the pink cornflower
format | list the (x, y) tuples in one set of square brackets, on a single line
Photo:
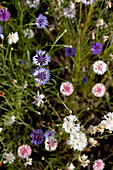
[(98, 90), (98, 164), (66, 88), (24, 151)]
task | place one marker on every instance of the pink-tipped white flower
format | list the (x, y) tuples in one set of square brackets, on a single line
[(51, 143), (98, 90), (24, 151), (66, 88), (13, 38), (83, 160), (98, 164), (99, 67)]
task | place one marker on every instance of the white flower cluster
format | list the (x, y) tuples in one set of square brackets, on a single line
[(69, 12)]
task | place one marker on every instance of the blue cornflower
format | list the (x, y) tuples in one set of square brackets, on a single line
[(84, 79), (41, 57), (42, 75), (1, 30), (96, 48), (70, 51), (41, 21), (22, 61), (37, 137), (49, 133)]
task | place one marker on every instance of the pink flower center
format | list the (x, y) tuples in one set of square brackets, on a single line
[(51, 144), (24, 151), (100, 67), (98, 164), (67, 88), (99, 90)]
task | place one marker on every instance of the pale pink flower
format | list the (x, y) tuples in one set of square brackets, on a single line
[(98, 90), (66, 88), (98, 164), (24, 151)]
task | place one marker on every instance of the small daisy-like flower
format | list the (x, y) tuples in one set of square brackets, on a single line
[(32, 3), (83, 160), (49, 133), (38, 99), (105, 38), (42, 75), (70, 124), (13, 38), (88, 2), (77, 141), (70, 51), (28, 33), (98, 90), (99, 67), (70, 166), (9, 158), (41, 21), (100, 22), (28, 161), (51, 143), (92, 129), (92, 142), (96, 48), (41, 58), (108, 122), (24, 151), (4, 14), (66, 88), (69, 13), (98, 164), (1, 30), (10, 120), (37, 137)]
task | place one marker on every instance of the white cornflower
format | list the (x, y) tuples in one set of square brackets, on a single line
[(68, 13), (70, 166), (92, 129), (28, 33), (10, 120), (92, 142), (32, 3), (51, 143), (70, 124), (77, 141), (13, 38), (100, 22), (71, 5), (83, 160), (98, 90), (38, 99), (108, 122), (100, 67), (9, 158), (28, 161)]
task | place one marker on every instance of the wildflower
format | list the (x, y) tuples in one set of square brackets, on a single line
[(92, 129), (37, 137), (13, 81), (51, 27), (51, 143), (77, 141), (101, 127), (4, 14), (24, 151), (22, 61), (83, 160), (13, 38), (105, 38), (10, 120), (98, 164), (28, 33), (108, 122), (32, 3), (96, 48), (98, 90), (69, 13), (41, 21), (88, 2), (100, 67), (1, 30), (25, 84), (49, 133), (70, 166), (42, 75), (1, 129), (70, 124), (66, 88), (77, 0), (108, 4), (84, 79), (93, 142), (70, 51), (28, 161), (100, 22), (41, 58), (2, 36), (38, 99), (71, 5), (9, 158)]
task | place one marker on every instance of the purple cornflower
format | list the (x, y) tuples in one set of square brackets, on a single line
[(87, 2), (4, 14), (96, 48), (1, 30), (42, 75), (37, 137), (41, 57), (22, 61), (41, 21), (70, 51), (49, 133), (84, 79)]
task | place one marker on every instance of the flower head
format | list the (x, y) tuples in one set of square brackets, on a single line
[(83, 160), (66, 88), (96, 48), (32, 3), (13, 38), (1, 30), (51, 143), (41, 58), (42, 75), (10, 120), (41, 21), (98, 90), (88, 2), (28, 33), (98, 164), (69, 13), (9, 158), (70, 51), (37, 137), (84, 79), (49, 133), (28, 161), (100, 67), (108, 121), (4, 14), (38, 99), (70, 166), (24, 151)]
